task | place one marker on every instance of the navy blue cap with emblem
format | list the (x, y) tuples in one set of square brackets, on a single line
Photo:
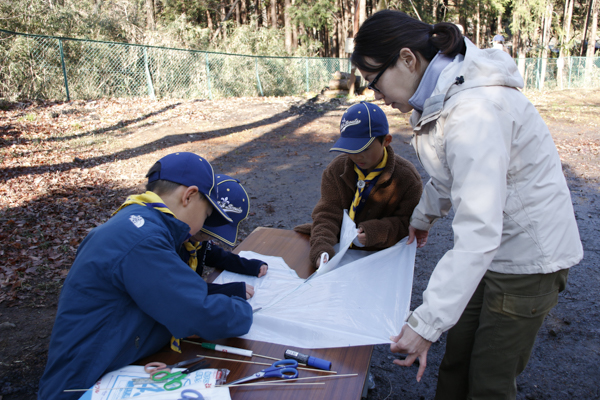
[(360, 125), (189, 169), (234, 200)]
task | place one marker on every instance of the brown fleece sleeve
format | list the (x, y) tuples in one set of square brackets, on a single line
[(386, 232), (304, 228)]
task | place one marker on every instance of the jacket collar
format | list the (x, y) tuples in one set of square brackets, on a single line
[(349, 176), (429, 81), (477, 68)]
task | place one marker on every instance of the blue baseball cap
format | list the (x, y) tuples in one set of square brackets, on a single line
[(189, 169), (360, 125), (234, 200)]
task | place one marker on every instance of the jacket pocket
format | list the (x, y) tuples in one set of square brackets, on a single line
[(529, 306)]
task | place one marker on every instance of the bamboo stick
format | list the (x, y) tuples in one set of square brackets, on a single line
[(270, 383), (286, 381)]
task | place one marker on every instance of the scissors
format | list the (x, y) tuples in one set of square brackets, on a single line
[(173, 380), (285, 369), (155, 367), (185, 395)]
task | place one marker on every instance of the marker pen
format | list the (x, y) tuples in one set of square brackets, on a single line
[(227, 349)]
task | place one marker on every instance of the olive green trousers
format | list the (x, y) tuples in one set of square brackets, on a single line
[(491, 343)]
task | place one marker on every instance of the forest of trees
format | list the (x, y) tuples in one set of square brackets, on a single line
[(532, 28)]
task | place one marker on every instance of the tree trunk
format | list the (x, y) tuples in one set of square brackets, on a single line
[(594, 25), (238, 18), (257, 13), (585, 26), (362, 11), (564, 42), (589, 61), (325, 41), (499, 23), (264, 13), (150, 21), (478, 24), (519, 47), (244, 12), (209, 21), (294, 32), (274, 13), (340, 27), (546, 27), (287, 23)]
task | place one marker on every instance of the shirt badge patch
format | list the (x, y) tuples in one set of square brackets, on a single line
[(137, 221), (346, 124), (228, 207)]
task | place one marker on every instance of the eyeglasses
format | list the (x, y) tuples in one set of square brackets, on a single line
[(374, 81)]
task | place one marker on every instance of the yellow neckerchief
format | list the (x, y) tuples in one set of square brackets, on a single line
[(363, 181), (148, 199), (151, 199)]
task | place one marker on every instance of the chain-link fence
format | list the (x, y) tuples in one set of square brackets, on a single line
[(57, 68), (560, 73), (50, 67)]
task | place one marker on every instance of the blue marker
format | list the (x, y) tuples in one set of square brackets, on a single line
[(308, 360)]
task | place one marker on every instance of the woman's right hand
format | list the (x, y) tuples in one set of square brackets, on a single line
[(420, 235)]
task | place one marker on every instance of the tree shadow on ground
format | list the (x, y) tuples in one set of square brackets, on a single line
[(163, 143)]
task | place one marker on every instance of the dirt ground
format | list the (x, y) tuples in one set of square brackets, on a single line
[(65, 167)]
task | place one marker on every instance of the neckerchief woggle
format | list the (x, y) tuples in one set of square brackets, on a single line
[(363, 185), (151, 199)]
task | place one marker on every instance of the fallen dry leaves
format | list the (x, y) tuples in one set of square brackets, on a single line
[(65, 167)]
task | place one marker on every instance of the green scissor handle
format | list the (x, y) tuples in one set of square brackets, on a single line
[(173, 379)]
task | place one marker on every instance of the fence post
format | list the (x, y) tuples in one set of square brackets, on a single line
[(62, 61), (148, 76), (258, 76), (307, 87), (208, 76), (537, 73), (570, 69)]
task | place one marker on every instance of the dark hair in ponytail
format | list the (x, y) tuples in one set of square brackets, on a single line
[(385, 33)]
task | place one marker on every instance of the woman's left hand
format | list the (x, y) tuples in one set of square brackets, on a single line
[(411, 343)]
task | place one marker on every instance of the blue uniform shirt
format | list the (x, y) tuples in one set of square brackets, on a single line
[(127, 292)]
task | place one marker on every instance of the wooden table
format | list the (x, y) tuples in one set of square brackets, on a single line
[(293, 248)]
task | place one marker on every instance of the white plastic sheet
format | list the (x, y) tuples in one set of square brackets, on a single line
[(119, 385), (357, 298)]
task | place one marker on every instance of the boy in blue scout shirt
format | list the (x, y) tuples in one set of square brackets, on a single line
[(234, 200), (378, 188), (129, 291)]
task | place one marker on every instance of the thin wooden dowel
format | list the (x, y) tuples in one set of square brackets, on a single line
[(279, 382), (318, 377), (260, 363), (217, 386), (282, 383), (269, 357)]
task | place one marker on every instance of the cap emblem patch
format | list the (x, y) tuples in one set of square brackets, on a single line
[(228, 207), (346, 124)]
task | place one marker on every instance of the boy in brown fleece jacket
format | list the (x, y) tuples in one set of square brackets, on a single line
[(378, 188)]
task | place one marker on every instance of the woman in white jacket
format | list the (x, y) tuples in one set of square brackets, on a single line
[(491, 158)]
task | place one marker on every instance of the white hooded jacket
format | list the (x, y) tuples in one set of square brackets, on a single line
[(492, 159)]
